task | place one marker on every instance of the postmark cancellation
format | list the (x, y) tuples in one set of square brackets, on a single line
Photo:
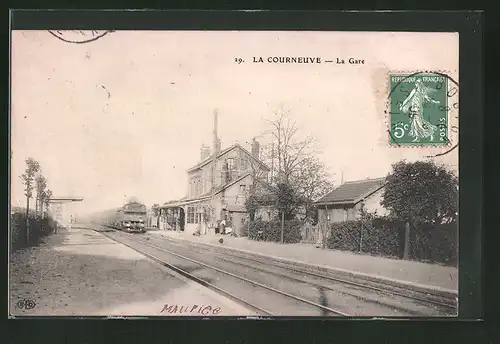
[(79, 36)]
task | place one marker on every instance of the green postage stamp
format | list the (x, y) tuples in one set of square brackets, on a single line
[(418, 109)]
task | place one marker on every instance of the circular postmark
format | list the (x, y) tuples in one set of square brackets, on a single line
[(79, 36), (422, 110)]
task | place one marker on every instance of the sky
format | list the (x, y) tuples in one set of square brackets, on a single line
[(126, 115)]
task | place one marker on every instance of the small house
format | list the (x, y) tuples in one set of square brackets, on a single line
[(346, 201)]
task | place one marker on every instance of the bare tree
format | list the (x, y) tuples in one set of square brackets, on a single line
[(294, 163), (290, 150), (32, 168)]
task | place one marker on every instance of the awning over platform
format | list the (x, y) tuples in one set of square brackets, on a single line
[(182, 203), (65, 199)]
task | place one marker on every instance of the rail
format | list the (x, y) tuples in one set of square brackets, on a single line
[(445, 303), (211, 286), (262, 266)]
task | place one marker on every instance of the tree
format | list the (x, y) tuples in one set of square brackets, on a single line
[(41, 185), (252, 204), (291, 151), (46, 199), (287, 200), (297, 177), (420, 192), (32, 168), (311, 181), (297, 167)]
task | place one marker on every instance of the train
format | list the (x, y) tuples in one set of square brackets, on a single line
[(131, 217)]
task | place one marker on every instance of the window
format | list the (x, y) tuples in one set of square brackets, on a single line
[(190, 215), (244, 164), (230, 164), (242, 188)]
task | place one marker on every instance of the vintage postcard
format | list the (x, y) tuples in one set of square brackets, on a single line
[(234, 173)]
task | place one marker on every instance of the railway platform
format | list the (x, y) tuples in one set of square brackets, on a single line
[(80, 272), (411, 274)]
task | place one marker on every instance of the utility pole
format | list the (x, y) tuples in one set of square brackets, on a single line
[(214, 162), (326, 228)]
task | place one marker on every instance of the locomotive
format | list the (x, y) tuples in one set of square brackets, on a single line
[(129, 218)]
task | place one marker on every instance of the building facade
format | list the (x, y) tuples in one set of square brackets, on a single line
[(217, 189)]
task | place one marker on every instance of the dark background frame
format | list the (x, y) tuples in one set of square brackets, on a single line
[(470, 28)]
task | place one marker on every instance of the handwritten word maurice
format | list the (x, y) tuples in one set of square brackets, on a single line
[(195, 309)]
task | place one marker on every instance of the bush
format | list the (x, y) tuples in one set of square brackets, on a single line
[(243, 232), (271, 231), (364, 237), (435, 243), (384, 237), (38, 228)]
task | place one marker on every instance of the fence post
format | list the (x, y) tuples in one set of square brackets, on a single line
[(326, 228)]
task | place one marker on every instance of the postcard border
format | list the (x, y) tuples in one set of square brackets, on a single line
[(469, 26)]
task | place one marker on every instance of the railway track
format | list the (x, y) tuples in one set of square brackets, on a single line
[(438, 301), (183, 270), (343, 293), (320, 280)]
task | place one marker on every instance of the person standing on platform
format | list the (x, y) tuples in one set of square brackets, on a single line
[(223, 226), (217, 227)]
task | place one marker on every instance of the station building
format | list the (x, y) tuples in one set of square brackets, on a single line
[(217, 189)]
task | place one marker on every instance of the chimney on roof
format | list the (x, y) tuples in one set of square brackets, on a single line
[(205, 152), (216, 140), (255, 149)]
